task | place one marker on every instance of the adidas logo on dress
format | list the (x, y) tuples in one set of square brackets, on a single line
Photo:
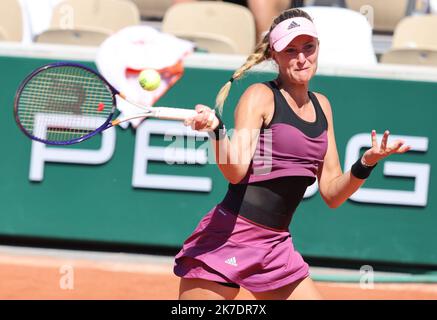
[(232, 261)]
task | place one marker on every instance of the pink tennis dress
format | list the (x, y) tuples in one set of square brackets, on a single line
[(245, 240)]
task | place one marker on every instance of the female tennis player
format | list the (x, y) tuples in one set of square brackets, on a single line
[(288, 133)]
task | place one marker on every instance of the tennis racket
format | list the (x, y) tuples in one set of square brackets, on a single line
[(67, 103)]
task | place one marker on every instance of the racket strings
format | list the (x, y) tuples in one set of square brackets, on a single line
[(64, 103)]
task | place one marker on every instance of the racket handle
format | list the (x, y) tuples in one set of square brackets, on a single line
[(173, 113)]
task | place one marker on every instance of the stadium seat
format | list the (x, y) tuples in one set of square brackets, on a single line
[(414, 41), (416, 31), (345, 36), (86, 37), (384, 14), (229, 27), (90, 21), (3, 34), (411, 56), (153, 8), (11, 21), (210, 42)]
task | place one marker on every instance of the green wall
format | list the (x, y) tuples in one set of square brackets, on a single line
[(98, 203)]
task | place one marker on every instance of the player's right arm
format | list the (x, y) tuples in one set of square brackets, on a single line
[(233, 155)]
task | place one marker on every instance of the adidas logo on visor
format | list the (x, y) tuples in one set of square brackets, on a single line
[(293, 24)]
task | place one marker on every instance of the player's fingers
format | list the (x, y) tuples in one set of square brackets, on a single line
[(198, 117), (210, 119), (397, 144), (203, 119), (202, 123), (384, 140), (394, 146), (203, 114), (403, 149), (199, 108), (199, 122), (374, 141), (188, 121)]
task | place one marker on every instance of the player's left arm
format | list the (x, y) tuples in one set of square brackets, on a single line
[(335, 186)]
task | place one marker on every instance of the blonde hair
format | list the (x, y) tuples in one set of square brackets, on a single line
[(261, 53)]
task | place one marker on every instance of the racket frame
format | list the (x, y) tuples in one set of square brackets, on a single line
[(158, 112), (107, 124)]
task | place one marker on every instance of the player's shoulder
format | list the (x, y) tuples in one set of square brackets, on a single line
[(257, 96), (322, 98), (260, 89), (324, 103)]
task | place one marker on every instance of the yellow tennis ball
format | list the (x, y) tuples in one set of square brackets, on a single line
[(149, 79)]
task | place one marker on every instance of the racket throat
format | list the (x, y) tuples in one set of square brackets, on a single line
[(116, 122)]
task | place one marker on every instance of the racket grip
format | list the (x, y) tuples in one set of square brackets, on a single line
[(173, 113)]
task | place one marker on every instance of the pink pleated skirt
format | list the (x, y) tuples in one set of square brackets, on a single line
[(225, 247)]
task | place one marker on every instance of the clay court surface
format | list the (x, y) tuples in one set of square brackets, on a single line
[(29, 273)]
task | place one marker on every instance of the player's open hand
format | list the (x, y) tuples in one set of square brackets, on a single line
[(378, 152), (205, 120)]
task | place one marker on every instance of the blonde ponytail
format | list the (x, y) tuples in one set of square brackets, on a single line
[(262, 52)]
